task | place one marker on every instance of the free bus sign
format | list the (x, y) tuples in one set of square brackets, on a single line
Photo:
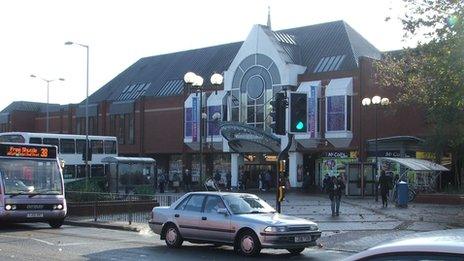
[(27, 151)]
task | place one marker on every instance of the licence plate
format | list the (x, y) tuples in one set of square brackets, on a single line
[(35, 215), (299, 239)]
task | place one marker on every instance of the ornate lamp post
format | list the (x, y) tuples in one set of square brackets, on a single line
[(48, 96), (196, 82), (376, 101)]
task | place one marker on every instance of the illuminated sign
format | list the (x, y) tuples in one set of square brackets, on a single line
[(27, 151)]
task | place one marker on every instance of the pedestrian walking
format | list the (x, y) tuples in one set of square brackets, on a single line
[(241, 180), (217, 178), (162, 182), (260, 180), (325, 183), (176, 182), (187, 177), (229, 180), (335, 189), (384, 186)]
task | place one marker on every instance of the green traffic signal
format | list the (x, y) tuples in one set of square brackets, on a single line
[(299, 125)]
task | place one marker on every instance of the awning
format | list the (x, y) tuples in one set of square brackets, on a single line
[(128, 160), (418, 164), (243, 138)]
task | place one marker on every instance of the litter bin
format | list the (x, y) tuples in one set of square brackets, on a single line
[(402, 191)]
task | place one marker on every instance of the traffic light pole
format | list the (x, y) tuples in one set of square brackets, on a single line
[(283, 154)]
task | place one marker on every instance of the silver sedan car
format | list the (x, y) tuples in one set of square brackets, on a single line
[(242, 220)]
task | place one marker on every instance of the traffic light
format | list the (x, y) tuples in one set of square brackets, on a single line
[(279, 104), (281, 193), (298, 112)]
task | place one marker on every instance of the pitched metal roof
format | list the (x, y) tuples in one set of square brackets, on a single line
[(333, 46), (33, 107)]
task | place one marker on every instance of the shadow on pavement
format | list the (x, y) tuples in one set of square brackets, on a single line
[(13, 227), (194, 252)]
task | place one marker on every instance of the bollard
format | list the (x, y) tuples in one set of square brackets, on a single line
[(95, 211), (130, 211)]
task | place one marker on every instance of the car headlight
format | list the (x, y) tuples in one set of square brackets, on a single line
[(313, 227), (275, 229), (59, 207), (8, 207)]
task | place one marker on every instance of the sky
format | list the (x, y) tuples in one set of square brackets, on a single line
[(120, 32)]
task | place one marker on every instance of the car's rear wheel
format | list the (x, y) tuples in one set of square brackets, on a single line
[(248, 244), (56, 223), (296, 251), (173, 238)]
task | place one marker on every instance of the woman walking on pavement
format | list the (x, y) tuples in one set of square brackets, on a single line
[(384, 187), (335, 189)]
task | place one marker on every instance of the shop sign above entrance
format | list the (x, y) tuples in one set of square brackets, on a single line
[(340, 154)]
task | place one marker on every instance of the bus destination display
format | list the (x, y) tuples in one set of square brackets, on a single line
[(27, 151)]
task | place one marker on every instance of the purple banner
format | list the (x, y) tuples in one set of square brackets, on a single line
[(312, 112), (194, 119)]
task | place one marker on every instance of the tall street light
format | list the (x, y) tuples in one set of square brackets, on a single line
[(86, 114), (196, 81), (48, 96), (376, 101)]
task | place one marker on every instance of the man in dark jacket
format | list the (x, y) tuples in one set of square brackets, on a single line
[(384, 184), (335, 188)]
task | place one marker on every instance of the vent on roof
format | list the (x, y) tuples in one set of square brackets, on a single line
[(331, 63), (133, 91), (170, 88)]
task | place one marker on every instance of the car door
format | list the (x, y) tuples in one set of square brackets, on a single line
[(188, 219), (215, 226)]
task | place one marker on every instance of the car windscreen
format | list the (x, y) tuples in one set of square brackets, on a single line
[(247, 204), (31, 176)]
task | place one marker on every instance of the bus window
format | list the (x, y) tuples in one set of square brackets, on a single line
[(69, 171), (80, 146), (12, 138), (67, 146), (52, 141), (110, 147), (35, 140), (97, 170), (97, 146)]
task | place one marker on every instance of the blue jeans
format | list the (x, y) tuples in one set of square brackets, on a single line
[(335, 205)]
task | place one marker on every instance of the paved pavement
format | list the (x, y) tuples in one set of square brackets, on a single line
[(362, 223)]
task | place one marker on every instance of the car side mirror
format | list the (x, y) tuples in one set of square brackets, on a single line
[(223, 211)]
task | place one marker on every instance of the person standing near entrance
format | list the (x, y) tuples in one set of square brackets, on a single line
[(260, 180), (335, 189), (384, 187)]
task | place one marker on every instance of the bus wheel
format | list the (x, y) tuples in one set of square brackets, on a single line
[(57, 223)]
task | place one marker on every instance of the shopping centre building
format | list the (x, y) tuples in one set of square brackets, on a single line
[(154, 113)]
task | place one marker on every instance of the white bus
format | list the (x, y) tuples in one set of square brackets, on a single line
[(70, 149)]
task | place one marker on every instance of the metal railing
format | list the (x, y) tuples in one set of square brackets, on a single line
[(115, 207)]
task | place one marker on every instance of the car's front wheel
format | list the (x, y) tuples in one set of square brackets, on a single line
[(173, 238), (248, 244), (296, 251), (56, 223)]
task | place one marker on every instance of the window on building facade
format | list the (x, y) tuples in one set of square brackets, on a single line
[(339, 111), (253, 86), (112, 125), (130, 130), (121, 129)]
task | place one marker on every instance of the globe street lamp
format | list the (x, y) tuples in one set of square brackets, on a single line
[(376, 101), (196, 81), (48, 96), (86, 113)]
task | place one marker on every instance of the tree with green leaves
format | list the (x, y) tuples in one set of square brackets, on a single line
[(431, 75)]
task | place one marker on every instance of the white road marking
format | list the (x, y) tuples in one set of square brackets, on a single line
[(43, 241)]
